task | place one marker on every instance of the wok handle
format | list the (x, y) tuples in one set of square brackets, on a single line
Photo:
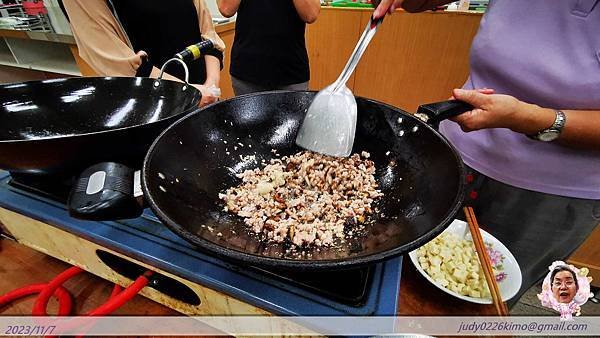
[(434, 113), (162, 70), (194, 52), (190, 53)]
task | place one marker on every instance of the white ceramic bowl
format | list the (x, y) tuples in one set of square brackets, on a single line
[(508, 287)]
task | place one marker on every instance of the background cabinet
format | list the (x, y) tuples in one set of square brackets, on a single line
[(413, 58)]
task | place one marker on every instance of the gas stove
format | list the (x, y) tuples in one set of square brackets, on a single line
[(190, 281)]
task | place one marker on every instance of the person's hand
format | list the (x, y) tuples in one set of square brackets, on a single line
[(207, 95), (386, 6), (481, 90), (142, 54), (491, 110)]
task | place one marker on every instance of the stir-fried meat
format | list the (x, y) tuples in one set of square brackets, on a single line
[(307, 197)]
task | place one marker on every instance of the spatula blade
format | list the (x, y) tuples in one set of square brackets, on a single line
[(330, 123)]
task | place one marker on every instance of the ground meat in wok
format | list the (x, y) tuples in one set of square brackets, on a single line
[(307, 197)]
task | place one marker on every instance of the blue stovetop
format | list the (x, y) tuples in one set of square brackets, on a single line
[(147, 240)]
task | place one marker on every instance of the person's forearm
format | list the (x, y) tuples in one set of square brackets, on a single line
[(504, 111), (228, 8), (308, 9), (213, 71), (581, 129)]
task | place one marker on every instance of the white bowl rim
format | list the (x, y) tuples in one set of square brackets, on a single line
[(457, 226)]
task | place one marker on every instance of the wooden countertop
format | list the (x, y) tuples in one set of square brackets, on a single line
[(20, 265)]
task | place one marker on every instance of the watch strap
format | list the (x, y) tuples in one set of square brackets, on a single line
[(556, 127)]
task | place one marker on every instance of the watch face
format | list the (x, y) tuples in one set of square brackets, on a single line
[(548, 135)]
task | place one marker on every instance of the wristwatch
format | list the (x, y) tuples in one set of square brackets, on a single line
[(552, 133)]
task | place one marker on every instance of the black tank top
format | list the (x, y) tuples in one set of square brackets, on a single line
[(269, 47), (162, 29)]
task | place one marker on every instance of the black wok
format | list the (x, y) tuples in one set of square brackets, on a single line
[(419, 172), (59, 127)]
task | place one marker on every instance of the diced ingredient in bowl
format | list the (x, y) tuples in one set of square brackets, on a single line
[(453, 263)]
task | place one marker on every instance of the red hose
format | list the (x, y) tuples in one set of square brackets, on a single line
[(64, 297), (122, 297), (117, 298), (39, 308), (116, 289)]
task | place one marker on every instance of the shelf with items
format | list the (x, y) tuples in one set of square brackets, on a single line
[(38, 55), (25, 15), (35, 35)]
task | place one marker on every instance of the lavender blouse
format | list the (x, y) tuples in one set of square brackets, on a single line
[(542, 52)]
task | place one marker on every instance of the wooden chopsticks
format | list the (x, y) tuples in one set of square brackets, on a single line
[(484, 258)]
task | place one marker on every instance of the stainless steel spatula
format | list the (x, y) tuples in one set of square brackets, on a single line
[(330, 122)]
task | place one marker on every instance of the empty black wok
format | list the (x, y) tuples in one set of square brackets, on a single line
[(419, 172), (59, 127)]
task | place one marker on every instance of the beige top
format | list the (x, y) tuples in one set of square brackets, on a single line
[(103, 44)]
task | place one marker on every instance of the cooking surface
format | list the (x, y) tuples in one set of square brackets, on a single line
[(198, 157)]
